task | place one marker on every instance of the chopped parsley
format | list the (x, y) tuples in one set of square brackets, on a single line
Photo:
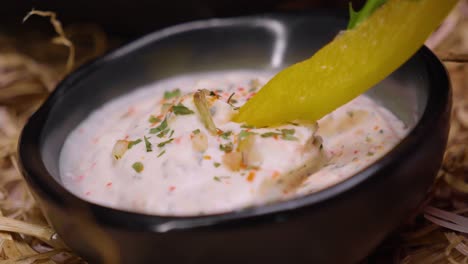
[(226, 135), (172, 94), (133, 143), (370, 153), (181, 109), (138, 166), (288, 134), (219, 178), (288, 131), (162, 144), (159, 128), (163, 133), (148, 145), (172, 133), (270, 134), (226, 147), (216, 164), (289, 137), (161, 153), (245, 133), (196, 131), (152, 119), (246, 126)]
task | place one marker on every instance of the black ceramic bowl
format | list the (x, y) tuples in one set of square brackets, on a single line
[(341, 224)]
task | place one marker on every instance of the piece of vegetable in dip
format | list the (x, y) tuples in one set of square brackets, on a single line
[(171, 148)]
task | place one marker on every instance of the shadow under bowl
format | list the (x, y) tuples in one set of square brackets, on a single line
[(341, 224)]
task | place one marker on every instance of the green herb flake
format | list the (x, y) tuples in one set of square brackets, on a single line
[(163, 133), (164, 143), (181, 109), (381, 131), (226, 135), (226, 147), (216, 164), (350, 114), (152, 119), (219, 178), (288, 134), (133, 143), (245, 133), (370, 153), (196, 131), (270, 134), (172, 133), (159, 128), (247, 126), (138, 166), (148, 145), (161, 153), (172, 94), (288, 131), (289, 137)]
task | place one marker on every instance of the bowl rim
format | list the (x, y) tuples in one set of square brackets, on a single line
[(39, 179)]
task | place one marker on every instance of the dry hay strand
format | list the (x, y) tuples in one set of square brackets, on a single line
[(25, 235), (61, 39), (441, 234)]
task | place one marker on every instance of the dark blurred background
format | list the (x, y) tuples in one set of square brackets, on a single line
[(133, 18)]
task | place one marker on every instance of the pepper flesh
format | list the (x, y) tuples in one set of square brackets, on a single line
[(348, 66)]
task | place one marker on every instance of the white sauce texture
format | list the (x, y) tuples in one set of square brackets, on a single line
[(183, 177)]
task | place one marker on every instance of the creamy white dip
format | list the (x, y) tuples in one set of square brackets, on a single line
[(171, 164)]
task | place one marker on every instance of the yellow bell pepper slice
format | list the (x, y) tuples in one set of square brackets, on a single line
[(348, 66)]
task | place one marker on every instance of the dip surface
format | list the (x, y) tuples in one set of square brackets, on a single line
[(171, 164)]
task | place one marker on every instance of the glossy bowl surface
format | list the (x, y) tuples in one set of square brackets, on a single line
[(341, 224)]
